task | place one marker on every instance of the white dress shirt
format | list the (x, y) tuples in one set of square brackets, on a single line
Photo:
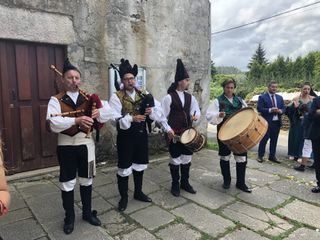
[(275, 116)]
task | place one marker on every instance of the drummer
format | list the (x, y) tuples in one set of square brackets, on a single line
[(218, 112), (181, 109)]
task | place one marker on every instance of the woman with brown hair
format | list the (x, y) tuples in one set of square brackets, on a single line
[(4, 192), (296, 111), (300, 109)]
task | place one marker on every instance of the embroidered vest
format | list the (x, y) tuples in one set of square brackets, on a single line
[(132, 107), (67, 105), (128, 104)]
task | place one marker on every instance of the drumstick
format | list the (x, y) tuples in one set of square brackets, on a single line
[(192, 120)]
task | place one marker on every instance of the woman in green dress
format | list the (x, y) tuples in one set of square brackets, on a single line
[(295, 112)]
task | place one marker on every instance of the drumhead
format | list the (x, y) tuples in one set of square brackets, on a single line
[(236, 124), (188, 135)]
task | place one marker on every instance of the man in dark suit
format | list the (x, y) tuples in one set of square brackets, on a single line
[(271, 106), (314, 134)]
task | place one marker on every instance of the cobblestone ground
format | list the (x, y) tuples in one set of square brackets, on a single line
[(281, 206)]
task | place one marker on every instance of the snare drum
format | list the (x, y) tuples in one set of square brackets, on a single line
[(243, 130), (193, 140)]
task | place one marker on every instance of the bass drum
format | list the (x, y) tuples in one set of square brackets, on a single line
[(193, 140), (243, 130)]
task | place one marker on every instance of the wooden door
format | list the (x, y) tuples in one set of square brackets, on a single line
[(26, 84)]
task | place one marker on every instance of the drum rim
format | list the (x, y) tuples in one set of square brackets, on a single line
[(232, 115), (186, 131)]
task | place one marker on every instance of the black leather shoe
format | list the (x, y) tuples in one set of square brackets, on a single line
[(295, 158), (274, 159), (300, 168), (92, 218), (316, 189), (142, 197), (122, 205), (68, 227), (244, 188), (188, 188), (260, 159)]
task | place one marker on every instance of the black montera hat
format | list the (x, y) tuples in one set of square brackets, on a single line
[(68, 66), (125, 67), (181, 72)]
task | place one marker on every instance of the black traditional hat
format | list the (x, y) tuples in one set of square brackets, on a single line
[(68, 66), (181, 72), (125, 67)]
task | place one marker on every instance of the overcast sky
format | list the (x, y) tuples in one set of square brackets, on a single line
[(292, 34)]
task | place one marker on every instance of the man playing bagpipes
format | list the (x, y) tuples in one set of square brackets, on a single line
[(72, 114), (133, 107)]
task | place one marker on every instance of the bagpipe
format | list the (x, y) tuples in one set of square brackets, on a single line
[(147, 98), (94, 102)]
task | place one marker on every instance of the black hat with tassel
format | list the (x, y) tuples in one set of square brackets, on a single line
[(125, 67), (68, 66)]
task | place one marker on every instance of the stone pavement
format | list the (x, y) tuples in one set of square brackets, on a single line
[(281, 206)]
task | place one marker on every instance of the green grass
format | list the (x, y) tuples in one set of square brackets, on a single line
[(212, 145)]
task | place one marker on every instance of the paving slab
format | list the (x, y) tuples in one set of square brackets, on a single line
[(15, 216), (22, 230), (203, 219), (48, 208), (304, 234), (256, 177), (82, 230), (157, 175), (133, 205), (243, 234), (282, 170), (104, 179), (36, 189), (207, 197), (246, 220), (264, 197), (140, 234), (165, 199), (152, 217), (107, 191), (115, 223), (256, 219), (178, 231), (302, 212), (147, 186), (17, 201), (296, 189), (100, 205)]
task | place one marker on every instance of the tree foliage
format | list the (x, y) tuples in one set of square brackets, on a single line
[(289, 73)]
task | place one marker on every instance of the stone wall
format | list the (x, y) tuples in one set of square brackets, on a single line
[(151, 33)]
